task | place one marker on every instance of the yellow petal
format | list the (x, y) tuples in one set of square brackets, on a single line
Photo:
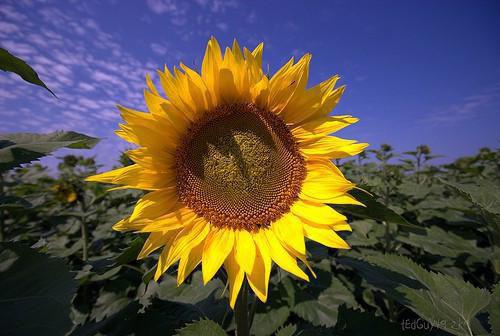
[(284, 85), (217, 247), (288, 230), (281, 257), (345, 199), (147, 159), (331, 147), (155, 241), (325, 236), (155, 204), (210, 68), (187, 238), (317, 213), (188, 262), (323, 182), (320, 127), (244, 250), (179, 217), (258, 279), (235, 276), (135, 176), (151, 85)]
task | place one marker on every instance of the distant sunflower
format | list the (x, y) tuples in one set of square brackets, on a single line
[(238, 166)]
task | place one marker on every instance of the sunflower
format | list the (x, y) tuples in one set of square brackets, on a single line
[(238, 168)]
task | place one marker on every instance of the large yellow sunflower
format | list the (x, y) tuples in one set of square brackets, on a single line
[(238, 168)]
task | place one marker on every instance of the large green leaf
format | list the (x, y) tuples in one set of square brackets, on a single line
[(11, 63), (442, 243), (449, 303), (484, 194), (202, 327), (322, 310), (373, 209), (267, 322), (356, 323), (36, 293), (19, 148), (494, 310)]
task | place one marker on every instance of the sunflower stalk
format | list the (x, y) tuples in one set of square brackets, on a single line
[(241, 312), (84, 230)]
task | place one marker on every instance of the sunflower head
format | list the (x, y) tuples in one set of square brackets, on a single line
[(238, 168)]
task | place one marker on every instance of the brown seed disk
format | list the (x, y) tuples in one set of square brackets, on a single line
[(239, 167)]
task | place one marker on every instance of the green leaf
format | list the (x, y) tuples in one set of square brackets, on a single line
[(10, 201), (374, 210), (356, 323), (288, 330), (444, 243), (322, 309), (191, 293), (36, 293), (449, 303), (265, 323), (19, 148), (484, 194), (130, 253), (202, 327), (11, 63), (494, 310)]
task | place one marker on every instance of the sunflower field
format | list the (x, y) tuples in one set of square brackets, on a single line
[(424, 256)]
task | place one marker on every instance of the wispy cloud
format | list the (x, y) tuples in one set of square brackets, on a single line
[(469, 108)]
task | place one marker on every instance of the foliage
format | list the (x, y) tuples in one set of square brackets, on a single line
[(424, 257), (11, 63)]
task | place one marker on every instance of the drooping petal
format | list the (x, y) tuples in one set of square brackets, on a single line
[(325, 236), (321, 127), (135, 176), (217, 247), (281, 256), (155, 241), (288, 230), (235, 276), (244, 250), (258, 279), (155, 204), (332, 148), (317, 213), (188, 262)]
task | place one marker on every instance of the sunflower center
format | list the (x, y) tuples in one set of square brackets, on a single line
[(239, 167)]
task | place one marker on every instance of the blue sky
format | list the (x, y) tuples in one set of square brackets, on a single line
[(416, 71)]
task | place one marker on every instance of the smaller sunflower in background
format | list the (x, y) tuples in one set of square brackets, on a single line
[(238, 166)]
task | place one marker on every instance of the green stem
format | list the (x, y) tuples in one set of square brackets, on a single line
[(241, 312), (387, 237), (84, 230)]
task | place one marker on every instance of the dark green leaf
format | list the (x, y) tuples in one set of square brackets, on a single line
[(356, 323), (484, 194), (494, 310), (36, 294), (19, 148), (131, 253), (202, 327), (288, 330), (11, 63), (10, 201), (448, 302), (374, 210), (266, 323), (322, 310)]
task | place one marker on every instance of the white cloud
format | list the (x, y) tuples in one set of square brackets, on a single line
[(470, 107), (222, 26), (158, 49)]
